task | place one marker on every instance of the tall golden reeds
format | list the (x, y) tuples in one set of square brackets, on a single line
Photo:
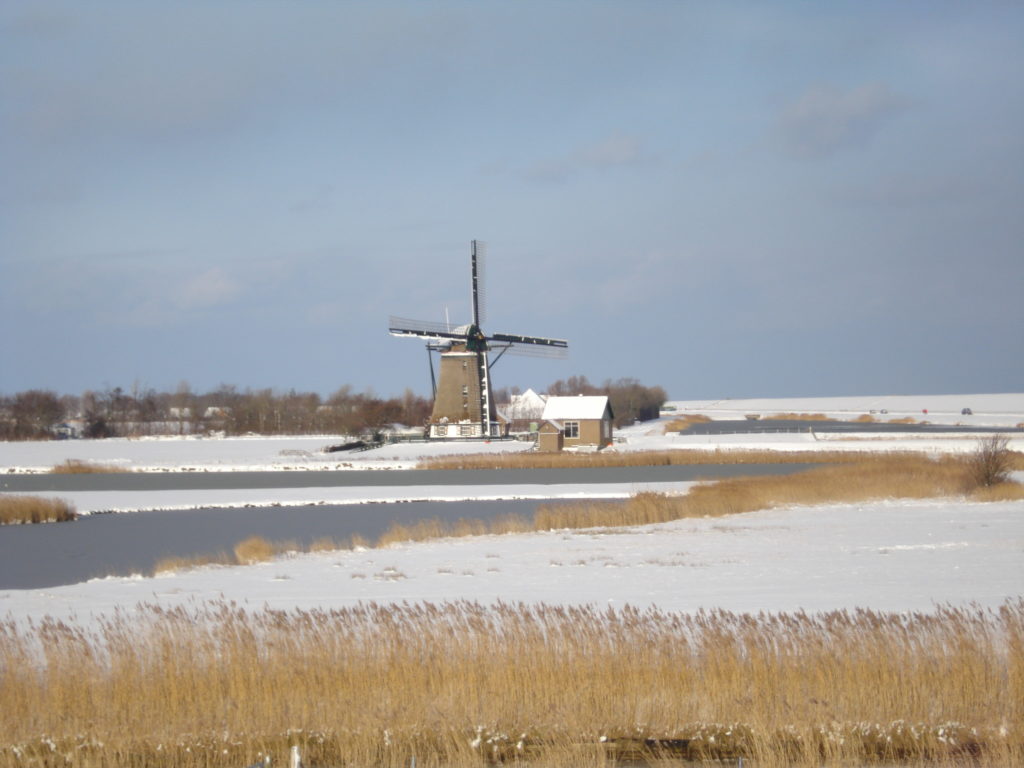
[(612, 458), (254, 549), (78, 467), (15, 510), (461, 684), (879, 477), (685, 422)]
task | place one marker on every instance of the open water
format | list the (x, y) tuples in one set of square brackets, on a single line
[(48, 555)]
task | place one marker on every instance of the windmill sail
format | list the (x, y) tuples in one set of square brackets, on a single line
[(478, 251), (512, 338)]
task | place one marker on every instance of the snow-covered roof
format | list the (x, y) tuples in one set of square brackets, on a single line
[(578, 407), (529, 397), (528, 405)]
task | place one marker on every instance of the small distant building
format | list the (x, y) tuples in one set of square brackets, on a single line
[(571, 422), (68, 430)]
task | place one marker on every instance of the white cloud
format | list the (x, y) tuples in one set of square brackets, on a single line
[(825, 119)]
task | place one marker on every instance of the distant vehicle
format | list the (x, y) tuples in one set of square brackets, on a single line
[(966, 412)]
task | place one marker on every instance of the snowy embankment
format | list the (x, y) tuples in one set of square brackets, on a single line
[(230, 454), (92, 502)]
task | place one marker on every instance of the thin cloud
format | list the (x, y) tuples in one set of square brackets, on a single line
[(826, 120), (208, 289), (616, 151)]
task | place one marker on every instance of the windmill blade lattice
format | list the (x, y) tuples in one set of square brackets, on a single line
[(547, 353), (403, 326)]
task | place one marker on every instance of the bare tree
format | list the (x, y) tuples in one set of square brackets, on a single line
[(990, 463), (34, 412), (630, 400)]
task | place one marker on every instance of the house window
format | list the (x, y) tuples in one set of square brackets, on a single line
[(466, 430), (572, 429)]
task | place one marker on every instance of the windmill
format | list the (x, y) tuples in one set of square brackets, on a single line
[(463, 406)]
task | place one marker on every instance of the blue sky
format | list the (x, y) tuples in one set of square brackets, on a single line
[(725, 199)]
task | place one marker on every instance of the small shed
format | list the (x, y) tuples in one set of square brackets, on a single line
[(551, 437), (584, 420)]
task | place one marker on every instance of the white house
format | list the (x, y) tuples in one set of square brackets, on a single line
[(524, 411), (576, 421)]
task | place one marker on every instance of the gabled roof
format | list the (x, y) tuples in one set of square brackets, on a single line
[(578, 407), (528, 405), (529, 399)]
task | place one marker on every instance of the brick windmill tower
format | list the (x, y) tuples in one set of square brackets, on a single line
[(463, 406)]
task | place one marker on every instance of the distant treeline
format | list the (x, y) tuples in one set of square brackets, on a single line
[(41, 414), (630, 400)]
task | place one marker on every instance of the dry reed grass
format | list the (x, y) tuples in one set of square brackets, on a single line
[(186, 563), (425, 530), (254, 549), (17, 510), (685, 422), (77, 467), (1008, 491), (881, 477), (328, 544), (461, 684), (257, 549), (865, 418), (903, 420), (1016, 459), (611, 458)]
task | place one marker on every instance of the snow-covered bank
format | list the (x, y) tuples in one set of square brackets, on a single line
[(900, 556), (989, 410), (92, 502), (228, 454)]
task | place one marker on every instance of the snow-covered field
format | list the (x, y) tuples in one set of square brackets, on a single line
[(997, 410), (229, 454), (887, 555)]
